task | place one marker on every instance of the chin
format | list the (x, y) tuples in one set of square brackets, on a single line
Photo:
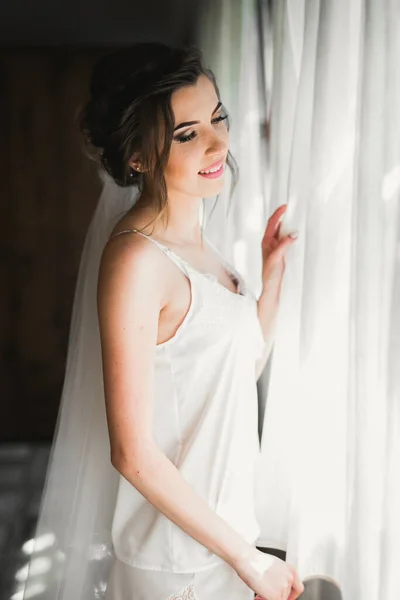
[(211, 187)]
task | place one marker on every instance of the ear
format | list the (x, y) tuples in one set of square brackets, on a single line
[(135, 162)]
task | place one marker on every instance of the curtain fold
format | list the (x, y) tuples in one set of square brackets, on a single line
[(328, 486)]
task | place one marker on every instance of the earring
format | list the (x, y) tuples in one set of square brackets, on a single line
[(131, 174)]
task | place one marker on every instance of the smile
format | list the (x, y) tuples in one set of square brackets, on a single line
[(213, 173)]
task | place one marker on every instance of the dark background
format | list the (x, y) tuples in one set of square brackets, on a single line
[(48, 188), (94, 23)]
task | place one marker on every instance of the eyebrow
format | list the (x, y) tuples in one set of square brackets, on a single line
[(187, 123)]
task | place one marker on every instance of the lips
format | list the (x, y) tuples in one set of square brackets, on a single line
[(213, 166), (213, 174)]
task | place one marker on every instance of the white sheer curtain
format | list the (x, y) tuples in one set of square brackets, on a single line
[(227, 35), (328, 490)]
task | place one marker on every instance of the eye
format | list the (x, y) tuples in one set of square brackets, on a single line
[(186, 138), (220, 118), (182, 138)]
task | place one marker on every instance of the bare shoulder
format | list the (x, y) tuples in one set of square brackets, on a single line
[(134, 266), (130, 294)]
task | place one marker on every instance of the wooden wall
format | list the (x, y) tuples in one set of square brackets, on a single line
[(48, 190)]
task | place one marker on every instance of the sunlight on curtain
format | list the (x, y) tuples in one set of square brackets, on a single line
[(328, 489), (227, 35)]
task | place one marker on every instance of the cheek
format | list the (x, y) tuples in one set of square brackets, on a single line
[(183, 161)]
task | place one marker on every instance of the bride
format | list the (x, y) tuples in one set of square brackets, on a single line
[(149, 489)]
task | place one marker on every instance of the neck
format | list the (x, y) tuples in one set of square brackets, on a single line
[(180, 223)]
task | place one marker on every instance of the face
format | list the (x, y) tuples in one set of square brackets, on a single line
[(200, 139)]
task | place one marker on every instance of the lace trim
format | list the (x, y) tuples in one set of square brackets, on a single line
[(187, 593)]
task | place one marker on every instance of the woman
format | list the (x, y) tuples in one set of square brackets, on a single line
[(171, 342), (180, 339)]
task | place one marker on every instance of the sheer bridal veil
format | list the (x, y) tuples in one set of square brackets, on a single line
[(69, 556)]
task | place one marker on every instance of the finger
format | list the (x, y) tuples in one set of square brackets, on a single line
[(297, 587), (284, 244), (297, 583), (293, 594), (274, 220)]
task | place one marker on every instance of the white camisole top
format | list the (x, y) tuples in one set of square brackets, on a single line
[(205, 421)]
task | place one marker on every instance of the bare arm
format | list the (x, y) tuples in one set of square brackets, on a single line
[(131, 293), (157, 478), (267, 310)]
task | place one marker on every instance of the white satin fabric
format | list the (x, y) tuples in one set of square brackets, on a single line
[(205, 422), (130, 583)]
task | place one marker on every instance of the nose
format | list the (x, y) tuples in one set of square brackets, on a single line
[(218, 146)]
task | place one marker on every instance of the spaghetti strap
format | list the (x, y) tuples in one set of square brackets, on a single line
[(167, 251), (185, 266)]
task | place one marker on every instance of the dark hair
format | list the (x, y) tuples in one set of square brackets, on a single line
[(130, 93)]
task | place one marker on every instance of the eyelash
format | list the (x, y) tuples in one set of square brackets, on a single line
[(182, 138)]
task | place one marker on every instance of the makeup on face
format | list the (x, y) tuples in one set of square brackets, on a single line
[(182, 138), (216, 170)]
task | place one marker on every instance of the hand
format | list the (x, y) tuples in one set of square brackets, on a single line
[(270, 577), (273, 250)]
